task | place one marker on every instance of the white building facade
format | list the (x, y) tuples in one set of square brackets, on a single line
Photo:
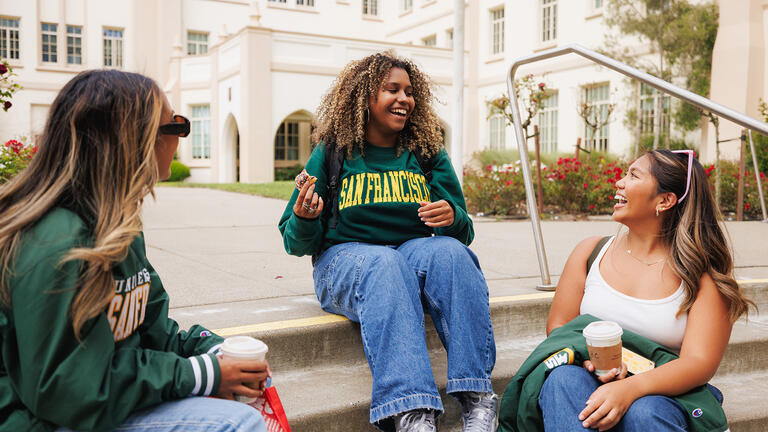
[(250, 74)]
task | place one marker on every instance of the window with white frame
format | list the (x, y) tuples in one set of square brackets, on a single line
[(406, 5), (74, 45), (548, 123), (305, 3), (497, 132), (9, 38), (497, 31), (201, 131), (548, 20), (287, 141), (113, 47), (449, 37), (371, 7), (277, 1), (430, 40), (599, 97), (597, 4), (197, 43), (48, 42), (648, 100)]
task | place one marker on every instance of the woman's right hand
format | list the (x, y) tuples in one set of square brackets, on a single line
[(614, 374), (237, 375), (309, 205)]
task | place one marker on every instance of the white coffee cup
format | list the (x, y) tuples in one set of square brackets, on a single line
[(604, 345), (244, 348)]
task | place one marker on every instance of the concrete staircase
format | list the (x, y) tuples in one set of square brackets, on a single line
[(323, 379)]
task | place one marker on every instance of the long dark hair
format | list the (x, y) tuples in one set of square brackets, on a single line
[(96, 153), (691, 231)]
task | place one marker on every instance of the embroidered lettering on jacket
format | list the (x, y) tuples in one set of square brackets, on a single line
[(383, 187), (127, 308), (564, 356)]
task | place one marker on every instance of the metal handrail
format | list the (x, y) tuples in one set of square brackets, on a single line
[(664, 86)]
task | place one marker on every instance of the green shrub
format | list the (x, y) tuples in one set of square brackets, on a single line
[(179, 171), (14, 157), (730, 188), (288, 173)]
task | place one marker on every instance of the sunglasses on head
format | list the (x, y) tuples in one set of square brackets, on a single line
[(690, 169), (179, 126)]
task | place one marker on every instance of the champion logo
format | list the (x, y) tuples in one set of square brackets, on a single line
[(697, 413), (205, 333)]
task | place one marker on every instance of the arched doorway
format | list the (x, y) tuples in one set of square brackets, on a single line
[(292, 144), (229, 165)]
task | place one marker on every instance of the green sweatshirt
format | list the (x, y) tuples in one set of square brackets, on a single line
[(132, 356), (519, 410), (379, 197)]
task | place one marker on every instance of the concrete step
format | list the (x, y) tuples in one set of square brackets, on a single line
[(325, 384)]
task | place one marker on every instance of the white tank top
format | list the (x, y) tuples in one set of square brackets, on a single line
[(653, 319)]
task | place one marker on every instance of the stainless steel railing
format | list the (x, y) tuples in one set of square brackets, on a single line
[(664, 86)]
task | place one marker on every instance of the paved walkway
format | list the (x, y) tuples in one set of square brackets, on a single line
[(221, 257)]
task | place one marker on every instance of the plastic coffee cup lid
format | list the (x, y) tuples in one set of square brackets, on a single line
[(243, 345), (602, 331)]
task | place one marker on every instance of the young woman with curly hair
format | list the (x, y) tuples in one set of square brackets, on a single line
[(398, 245), (85, 338)]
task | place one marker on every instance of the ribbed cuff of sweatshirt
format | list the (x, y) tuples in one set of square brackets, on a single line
[(303, 229), (460, 220), (207, 374)]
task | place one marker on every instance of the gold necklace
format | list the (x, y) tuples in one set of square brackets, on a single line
[(629, 252)]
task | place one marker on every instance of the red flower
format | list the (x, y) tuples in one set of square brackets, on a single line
[(585, 185), (7, 105), (591, 206), (495, 197), (542, 85), (489, 167), (562, 176), (747, 206), (3, 69), (509, 182)]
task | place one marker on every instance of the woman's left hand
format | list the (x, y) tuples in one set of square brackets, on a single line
[(607, 405), (436, 214)]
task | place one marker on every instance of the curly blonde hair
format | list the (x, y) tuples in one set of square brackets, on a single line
[(342, 115)]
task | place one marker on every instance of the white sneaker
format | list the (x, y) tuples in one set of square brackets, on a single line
[(418, 420), (478, 411)]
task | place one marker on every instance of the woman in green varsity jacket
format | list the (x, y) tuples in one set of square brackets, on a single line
[(85, 338), (392, 242)]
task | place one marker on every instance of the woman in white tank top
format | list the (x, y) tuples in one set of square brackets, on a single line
[(668, 277)]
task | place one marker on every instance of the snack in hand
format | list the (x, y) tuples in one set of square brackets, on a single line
[(303, 177)]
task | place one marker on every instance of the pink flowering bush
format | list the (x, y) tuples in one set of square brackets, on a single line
[(14, 157)]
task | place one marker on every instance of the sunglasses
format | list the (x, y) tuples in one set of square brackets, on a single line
[(690, 169), (179, 126)]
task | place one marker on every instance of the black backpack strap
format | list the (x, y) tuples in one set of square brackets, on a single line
[(334, 160), (426, 164), (596, 252)]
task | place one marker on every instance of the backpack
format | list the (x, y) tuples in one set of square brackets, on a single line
[(596, 252), (334, 160)]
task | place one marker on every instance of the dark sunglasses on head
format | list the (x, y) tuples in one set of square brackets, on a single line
[(179, 127)]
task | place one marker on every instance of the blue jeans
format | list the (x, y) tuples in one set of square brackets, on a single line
[(194, 414), (387, 289), (567, 388)]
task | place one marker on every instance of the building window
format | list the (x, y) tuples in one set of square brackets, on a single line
[(430, 40), (449, 37), (277, 1), (648, 97), (197, 43), (598, 97), (48, 39), (548, 123), (497, 31), (113, 47), (74, 45), (9, 38), (201, 131), (497, 128), (287, 141), (371, 7), (548, 20), (597, 4), (306, 3), (406, 5)]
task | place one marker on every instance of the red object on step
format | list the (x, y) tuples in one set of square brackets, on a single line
[(271, 409)]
